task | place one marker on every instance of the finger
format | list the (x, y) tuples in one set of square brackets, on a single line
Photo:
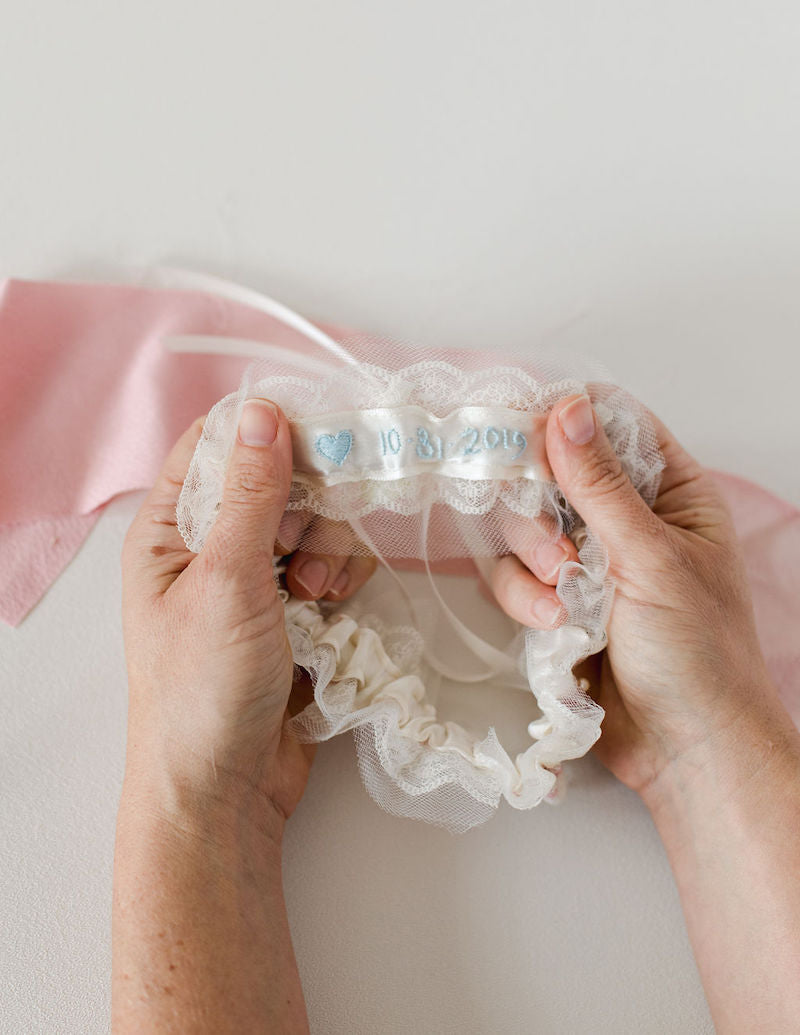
[(539, 541), (351, 578), (325, 536), (291, 531), (326, 547), (310, 575), (523, 597), (254, 496), (153, 540), (592, 477), (545, 559)]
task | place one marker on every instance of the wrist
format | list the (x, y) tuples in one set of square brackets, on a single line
[(755, 753), (198, 770), (223, 810), (199, 917)]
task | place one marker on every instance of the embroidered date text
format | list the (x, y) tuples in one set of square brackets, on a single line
[(469, 443)]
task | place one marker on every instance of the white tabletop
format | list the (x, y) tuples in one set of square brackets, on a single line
[(617, 178)]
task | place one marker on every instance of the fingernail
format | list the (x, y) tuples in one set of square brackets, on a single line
[(258, 424), (546, 612), (340, 583), (549, 558), (577, 421), (312, 576)]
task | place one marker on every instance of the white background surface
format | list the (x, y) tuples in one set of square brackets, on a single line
[(617, 177)]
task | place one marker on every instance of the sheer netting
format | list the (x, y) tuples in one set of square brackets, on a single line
[(434, 460)]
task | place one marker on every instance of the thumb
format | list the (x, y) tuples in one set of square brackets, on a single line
[(256, 487), (592, 478)]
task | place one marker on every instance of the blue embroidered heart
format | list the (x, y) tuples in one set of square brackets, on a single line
[(335, 447)]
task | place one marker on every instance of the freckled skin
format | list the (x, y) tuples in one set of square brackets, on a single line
[(692, 724)]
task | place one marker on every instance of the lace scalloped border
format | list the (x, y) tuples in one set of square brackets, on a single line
[(425, 384), (411, 761)]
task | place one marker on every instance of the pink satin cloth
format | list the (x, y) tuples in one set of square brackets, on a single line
[(91, 404), (92, 401)]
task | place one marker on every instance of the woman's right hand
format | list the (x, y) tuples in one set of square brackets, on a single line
[(683, 670)]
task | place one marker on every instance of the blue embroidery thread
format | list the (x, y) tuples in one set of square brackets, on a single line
[(335, 447), (428, 445)]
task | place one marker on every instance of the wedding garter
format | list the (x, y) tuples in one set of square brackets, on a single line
[(428, 459)]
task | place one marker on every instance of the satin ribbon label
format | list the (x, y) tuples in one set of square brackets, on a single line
[(475, 442)]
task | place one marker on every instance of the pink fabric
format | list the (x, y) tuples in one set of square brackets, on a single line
[(91, 402)]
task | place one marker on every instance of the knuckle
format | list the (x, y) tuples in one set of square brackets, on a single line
[(252, 487), (250, 478), (156, 512), (602, 474)]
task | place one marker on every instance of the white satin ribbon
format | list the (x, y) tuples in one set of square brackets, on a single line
[(186, 280), (248, 348), (384, 444), (501, 666)]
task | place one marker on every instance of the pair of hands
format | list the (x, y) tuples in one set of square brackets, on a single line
[(210, 670)]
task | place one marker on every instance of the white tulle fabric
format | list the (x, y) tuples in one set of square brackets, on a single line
[(377, 671)]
